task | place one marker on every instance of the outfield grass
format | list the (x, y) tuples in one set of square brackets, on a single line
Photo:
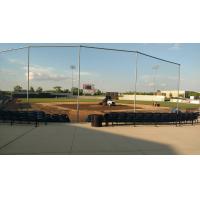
[(164, 104), (51, 100)]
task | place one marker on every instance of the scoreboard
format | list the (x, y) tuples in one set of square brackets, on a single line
[(89, 89)]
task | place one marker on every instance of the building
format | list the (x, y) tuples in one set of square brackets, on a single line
[(174, 93), (157, 98), (182, 93)]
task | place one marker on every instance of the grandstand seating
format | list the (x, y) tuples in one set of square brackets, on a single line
[(30, 117), (117, 118), (4, 100)]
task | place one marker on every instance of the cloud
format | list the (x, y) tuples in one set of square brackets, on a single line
[(7, 72), (39, 73), (85, 73), (175, 46), (15, 61), (44, 73), (151, 84), (82, 73), (163, 84)]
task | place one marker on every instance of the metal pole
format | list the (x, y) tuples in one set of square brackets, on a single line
[(79, 66), (154, 87), (179, 80), (72, 67), (72, 80), (154, 83), (28, 75), (136, 72)]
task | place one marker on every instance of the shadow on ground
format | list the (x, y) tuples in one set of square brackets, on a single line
[(75, 139)]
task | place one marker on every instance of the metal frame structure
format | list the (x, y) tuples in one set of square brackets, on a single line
[(79, 47)]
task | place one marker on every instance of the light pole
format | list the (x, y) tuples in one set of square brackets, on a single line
[(72, 67)]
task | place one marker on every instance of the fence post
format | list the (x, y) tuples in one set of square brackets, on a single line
[(79, 67), (179, 80), (28, 86), (177, 102), (136, 71)]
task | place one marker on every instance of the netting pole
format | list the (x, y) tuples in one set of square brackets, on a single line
[(179, 80), (79, 83), (28, 75), (136, 74)]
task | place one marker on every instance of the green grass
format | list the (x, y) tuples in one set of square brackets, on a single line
[(53, 100), (164, 104)]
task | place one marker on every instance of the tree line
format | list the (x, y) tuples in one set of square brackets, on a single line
[(56, 89)]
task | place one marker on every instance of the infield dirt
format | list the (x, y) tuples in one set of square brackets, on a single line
[(86, 109)]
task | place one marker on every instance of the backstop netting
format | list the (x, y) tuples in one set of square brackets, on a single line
[(81, 81), (53, 77), (106, 75), (157, 84), (13, 79)]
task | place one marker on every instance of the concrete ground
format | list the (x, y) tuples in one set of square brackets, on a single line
[(84, 139)]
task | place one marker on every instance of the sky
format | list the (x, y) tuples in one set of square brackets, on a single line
[(107, 70)]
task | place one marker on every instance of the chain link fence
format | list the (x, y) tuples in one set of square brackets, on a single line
[(84, 80)]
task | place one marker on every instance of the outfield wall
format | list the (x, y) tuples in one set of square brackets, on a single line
[(143, 97), (92, 97), (193, 101)]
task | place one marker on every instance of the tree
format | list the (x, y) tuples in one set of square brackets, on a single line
[(57, 89), (192, 93), (98, 92), (66, 91), (39, 90), (17, 88), (32, 89), (75, 91)]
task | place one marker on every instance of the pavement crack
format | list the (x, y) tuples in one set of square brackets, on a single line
[(73, 139), (18, 137)]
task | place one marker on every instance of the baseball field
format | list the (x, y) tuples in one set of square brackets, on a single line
[(89, 106)]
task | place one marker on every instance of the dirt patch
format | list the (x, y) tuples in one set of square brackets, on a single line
[(85, 109), (95, 107)]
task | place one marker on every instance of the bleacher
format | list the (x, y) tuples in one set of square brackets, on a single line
[(128, 118), (29, 117), (4, 100)]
